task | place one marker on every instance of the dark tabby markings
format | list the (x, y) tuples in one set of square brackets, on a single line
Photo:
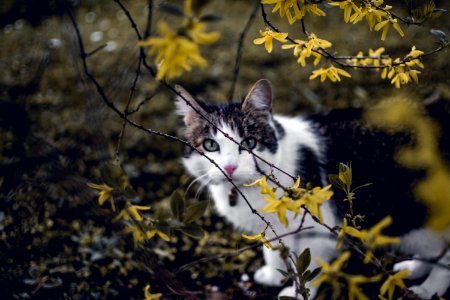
[(253, 123)]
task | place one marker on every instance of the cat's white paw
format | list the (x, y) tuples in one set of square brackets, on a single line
[(415, 267), (267, 275), (288, 292), (421, 291)]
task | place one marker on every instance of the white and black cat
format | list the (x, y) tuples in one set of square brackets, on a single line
[(310, 147)]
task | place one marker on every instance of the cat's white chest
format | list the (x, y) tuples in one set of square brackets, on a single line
[(240, 215)]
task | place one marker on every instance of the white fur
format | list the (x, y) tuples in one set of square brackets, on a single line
[(426, 245), (297, 132)]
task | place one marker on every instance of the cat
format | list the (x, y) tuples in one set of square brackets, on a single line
[(309, 147)]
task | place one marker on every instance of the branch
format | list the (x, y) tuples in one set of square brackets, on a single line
[(237, 63)]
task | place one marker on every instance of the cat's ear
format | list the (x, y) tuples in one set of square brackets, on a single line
[(186, 110), (259, 97)]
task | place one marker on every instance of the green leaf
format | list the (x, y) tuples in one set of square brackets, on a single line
[(303, 261), (193, 230), (177, 205), (336, 181), (306, 275), (440, 35), (210, 18), (314, 274), (195, 211), (171, 9), (345, 174), (284, 273)]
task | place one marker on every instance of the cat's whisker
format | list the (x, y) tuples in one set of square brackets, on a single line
[(196, 180)]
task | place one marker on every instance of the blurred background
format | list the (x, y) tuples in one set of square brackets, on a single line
[(56, 242)]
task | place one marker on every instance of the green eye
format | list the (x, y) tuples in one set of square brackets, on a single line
[(249, 143), (210, 145)]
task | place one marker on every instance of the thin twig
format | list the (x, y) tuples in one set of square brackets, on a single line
[(240, 47)]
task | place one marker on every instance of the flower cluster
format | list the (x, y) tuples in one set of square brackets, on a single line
[(304, 49), (293, 200), (371, 238), (178, 51), (377, 17), (140, 228), (294, 10), (398, 71), (332, 273), (331, 73)]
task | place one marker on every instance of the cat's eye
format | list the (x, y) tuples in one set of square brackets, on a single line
[(210, 145), (249, 143)]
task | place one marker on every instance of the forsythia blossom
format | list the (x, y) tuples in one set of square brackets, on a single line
[(259, 237), (105, 194), (140, 235), (348, 6), (311, 199), (288, 8), (293, 9), (331, 272), (131, 212), (150, 296), (332, 73), (267, 38), (304, 49), (372, 238), (392, 282), (173, 53), (385, 25)]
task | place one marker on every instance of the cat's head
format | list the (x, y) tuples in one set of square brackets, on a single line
[(249, 123)]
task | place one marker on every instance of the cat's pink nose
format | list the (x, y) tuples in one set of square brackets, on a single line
[(230, 169)]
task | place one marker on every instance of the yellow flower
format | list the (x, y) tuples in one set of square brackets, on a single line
[(301, 50), (401, 77), (373, 238), (284, 7), (371, 14), (392, 282), (196, 33), (174, 53), (347, 6), (332, 73), (138, 235), (314, 43), (150, 296), (331, 272), (152, 231), (265, 189), (280, 206), (412, 56), (267, 38), (259, 237), (341, 234), (131, 212), (386, 24), (313, 199), (312, 8), (105, 194), (353, 282)]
